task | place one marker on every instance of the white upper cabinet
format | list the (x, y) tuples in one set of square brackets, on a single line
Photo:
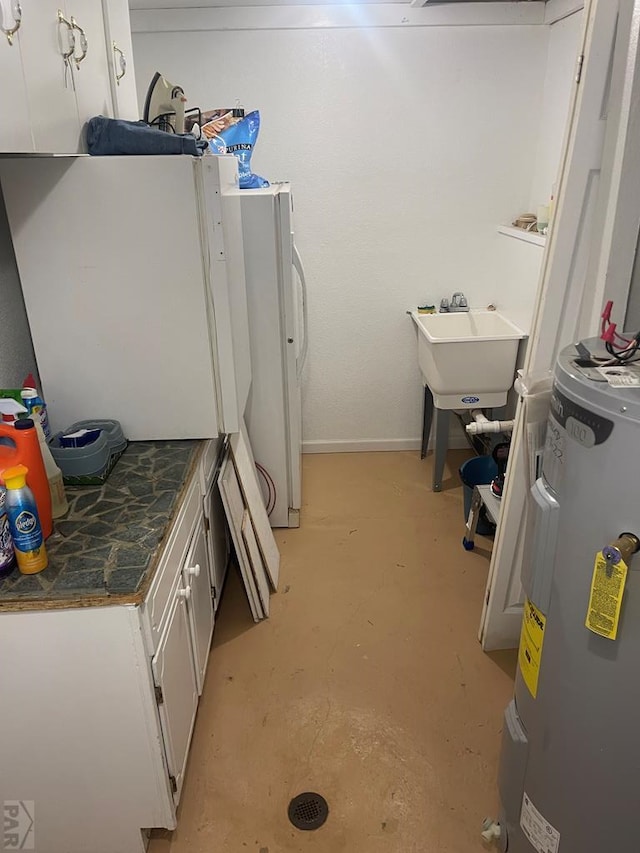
[(68, 60), (15, 130), (49, 81), (90, 63), (120, 53)]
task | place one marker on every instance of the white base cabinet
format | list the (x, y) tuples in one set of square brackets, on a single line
[(98, 703)]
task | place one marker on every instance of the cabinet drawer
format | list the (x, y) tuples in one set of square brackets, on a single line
[(156, 603)]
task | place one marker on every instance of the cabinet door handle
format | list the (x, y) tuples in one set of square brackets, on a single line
[(84, 44), (122, 61), (194, 570), (71, 37), (17, 21), (185, 592)]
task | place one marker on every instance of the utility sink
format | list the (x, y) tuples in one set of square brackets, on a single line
[(468, 360)]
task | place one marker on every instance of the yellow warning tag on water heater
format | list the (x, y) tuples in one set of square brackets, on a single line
[(531, 640), (605, 601)]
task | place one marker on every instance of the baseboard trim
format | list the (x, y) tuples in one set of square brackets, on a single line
[(456, 442)]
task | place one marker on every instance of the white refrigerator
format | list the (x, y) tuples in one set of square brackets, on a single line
[(278, 328), (132, 271)]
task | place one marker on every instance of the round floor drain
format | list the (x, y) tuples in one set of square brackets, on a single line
[(308, 811)]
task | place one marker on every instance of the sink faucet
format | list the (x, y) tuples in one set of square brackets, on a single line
[(458, 302)]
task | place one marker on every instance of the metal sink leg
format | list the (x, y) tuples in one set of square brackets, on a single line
[(427, 419), (442, 444)]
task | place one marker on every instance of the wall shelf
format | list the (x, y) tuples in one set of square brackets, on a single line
[(520, 234)]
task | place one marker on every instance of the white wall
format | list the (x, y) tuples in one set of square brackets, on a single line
[(405, 148), (519, 263), (16, 351), (564, 37)]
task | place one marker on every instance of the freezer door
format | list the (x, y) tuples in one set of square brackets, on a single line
[(109, 252), (266, 413), (294, 353), (221, 223)]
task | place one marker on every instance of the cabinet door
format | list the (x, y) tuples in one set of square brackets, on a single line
[(49, 82), (199, 600), (15, 127), (120, 54), (175, 677), (91, 74), (218, 541)]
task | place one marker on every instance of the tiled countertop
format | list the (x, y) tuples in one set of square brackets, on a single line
[(106, 548)]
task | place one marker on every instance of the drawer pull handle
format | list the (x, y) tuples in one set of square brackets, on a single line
[(17, 20), (194, 570), (84, 44), (122, 62), (67, 52), (185, 592)]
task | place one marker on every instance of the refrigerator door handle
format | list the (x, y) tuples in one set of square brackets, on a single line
[(297, 265)]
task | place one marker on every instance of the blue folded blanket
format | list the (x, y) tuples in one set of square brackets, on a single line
[(109, 136)]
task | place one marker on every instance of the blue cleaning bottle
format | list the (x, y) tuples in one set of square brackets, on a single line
[(24, 523), (36, 406)]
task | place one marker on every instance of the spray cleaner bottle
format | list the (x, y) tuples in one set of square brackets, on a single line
[(24, 523), (36, 406), (19, 446), (7, 553)]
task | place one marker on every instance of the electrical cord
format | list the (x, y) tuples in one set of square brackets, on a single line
[(608, 331), (271, 488), (263, 474), (163, 122), (626, 355), (274, 499), (623, 350)]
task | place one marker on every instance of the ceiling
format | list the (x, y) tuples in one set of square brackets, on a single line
[(218, 3), (158, 5)]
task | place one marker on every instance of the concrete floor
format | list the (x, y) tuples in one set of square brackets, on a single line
[(367, 684)]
